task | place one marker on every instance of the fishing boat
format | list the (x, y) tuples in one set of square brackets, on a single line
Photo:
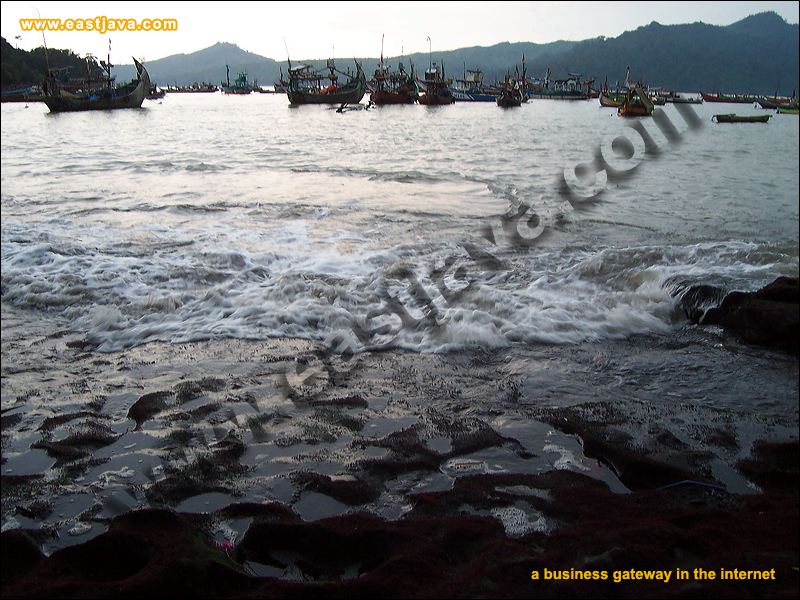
[(437, 91), (732, 118), (107, 97), (788, 110), (25, 93), (305, 86), (472, 89), (676, 98), (510, 94), (611, 99), (637, 103), (195, 88), (396, 87), (156, 93), (389, 87), (281, 86), (572, 88), (733, 99), (240, 85)]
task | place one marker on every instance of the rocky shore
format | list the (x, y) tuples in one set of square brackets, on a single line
[(221, 469)]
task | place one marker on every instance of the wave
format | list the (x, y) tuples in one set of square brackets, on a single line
[(121, 297)]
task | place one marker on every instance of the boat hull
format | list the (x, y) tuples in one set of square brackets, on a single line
[(728, 99), (741, 119), (350, 93), (473, 97), (557, 96), (436, 99), (508, 102), (610, 102), (132, 97)]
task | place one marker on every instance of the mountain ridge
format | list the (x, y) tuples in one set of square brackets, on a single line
[(757, 54)]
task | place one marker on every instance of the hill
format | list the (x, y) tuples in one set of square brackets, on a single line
[(758, 54)]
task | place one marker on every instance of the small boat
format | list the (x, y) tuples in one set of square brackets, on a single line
[(572, 88), (156, 93), (611, 99), (281, 86), (240, 85), (106, 97), (195, 88), (25, 93), (389, 87), (676, 98), (472, 89), (305, 86), (437, 92), (510, 94), (637, 103), (788, 110), (734, 99), (732, 118)]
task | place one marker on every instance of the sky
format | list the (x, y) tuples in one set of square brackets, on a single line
[(343, 29)]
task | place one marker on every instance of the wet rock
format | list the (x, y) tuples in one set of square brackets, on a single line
[(52, 422), (20, 555), (602, 430), (437, 551), (147, 406), (698, 299), (187, 390), (769, 317), (350, 491), (772, 466), (352, 401), (211, 384), (7, 421)]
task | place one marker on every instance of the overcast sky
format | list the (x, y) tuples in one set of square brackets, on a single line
[(320, 29)]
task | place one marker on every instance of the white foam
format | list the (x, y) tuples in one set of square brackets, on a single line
[(289, 281)]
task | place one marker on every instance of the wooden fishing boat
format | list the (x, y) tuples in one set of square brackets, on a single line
[(437, 92), (788, 110), (611, 100), (195, 88), (572, 88), (676, 98), (472, 88), (305, 86), (510, 94), (28, 93), (108, 97), (156, 93), (240, 85), (281, 86), (734, 99), (637, 104), (732, 118)]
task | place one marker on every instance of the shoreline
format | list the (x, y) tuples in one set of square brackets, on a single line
[(462, 472)]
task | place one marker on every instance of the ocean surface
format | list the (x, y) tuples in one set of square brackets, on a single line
[(437, 241), (204, 217)]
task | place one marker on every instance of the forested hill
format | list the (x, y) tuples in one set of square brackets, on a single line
[(758, 54)]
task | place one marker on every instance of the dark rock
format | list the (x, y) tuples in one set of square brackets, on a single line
[(147, 406), (697, 299), (772, 466), (348, 491), (20, 555), (769, 317)]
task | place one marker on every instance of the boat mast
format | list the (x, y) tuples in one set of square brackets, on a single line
[(430, 53)]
